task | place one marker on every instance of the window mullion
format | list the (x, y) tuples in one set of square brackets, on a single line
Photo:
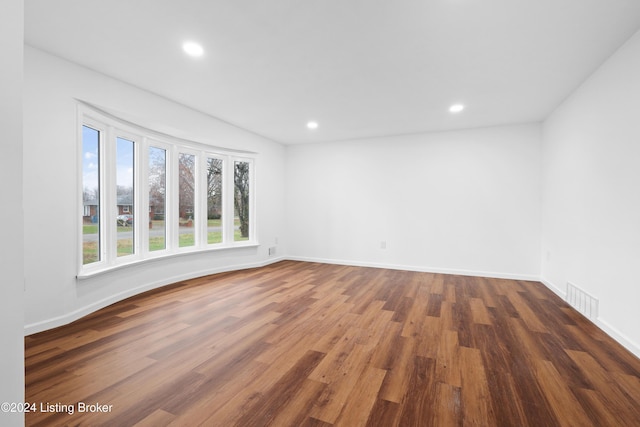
[(112, 147), (173, 201), (229, 217), (197, 219), (140, 209), (109, 223), (252, 201), (142, 198), (201, 197)]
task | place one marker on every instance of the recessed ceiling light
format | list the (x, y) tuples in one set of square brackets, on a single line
[(193, 49), (456, 108), (312, 125)]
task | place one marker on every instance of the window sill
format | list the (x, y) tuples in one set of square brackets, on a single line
[(162, 257)]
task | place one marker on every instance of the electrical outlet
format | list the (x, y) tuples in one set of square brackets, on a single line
[(272, 250)]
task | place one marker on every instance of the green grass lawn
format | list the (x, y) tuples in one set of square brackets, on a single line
[(90, 229), (157, 244), (89, 252), (125, 246), (93, 228)]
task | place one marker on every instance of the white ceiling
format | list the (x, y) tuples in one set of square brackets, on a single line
[(360, 68)]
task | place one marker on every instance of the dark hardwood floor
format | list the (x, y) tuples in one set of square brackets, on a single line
[(304, 344)]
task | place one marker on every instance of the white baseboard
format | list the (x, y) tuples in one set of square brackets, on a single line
[(65, 319), (90, 308), (421, 269), (83, 311), (621, 338), (561, 293)]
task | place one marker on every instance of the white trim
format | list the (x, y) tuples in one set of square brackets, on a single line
[(556, 290), (618, 336), (55, 322), (83, 311), (164, 256), (421, 269), (74, 315)]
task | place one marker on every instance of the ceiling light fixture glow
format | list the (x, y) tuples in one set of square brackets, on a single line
[(312, 125), (456, 108), (193, 49)]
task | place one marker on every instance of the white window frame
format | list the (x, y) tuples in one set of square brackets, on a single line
[(111, 128)]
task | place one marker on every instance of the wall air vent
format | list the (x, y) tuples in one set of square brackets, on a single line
[(586, 304)]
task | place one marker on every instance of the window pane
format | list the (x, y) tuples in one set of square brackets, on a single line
[(241, 201), (157, 198), (186, 193), (90, 195), (214, 200), (124, 196)]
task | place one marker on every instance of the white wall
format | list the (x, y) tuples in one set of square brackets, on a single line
[(53, 296), (591, 193), (11, 254), (461, 202), (467, 202)]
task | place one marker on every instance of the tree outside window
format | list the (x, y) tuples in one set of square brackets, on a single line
[(241, 197)]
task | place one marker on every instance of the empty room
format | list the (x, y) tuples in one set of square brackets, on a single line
[(320, 213)]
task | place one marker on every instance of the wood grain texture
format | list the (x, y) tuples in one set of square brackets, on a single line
[(306, 344)]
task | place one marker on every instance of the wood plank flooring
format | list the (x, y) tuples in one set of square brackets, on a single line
[(304, 344)]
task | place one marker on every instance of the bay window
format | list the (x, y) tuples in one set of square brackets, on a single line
[(146, 195)]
